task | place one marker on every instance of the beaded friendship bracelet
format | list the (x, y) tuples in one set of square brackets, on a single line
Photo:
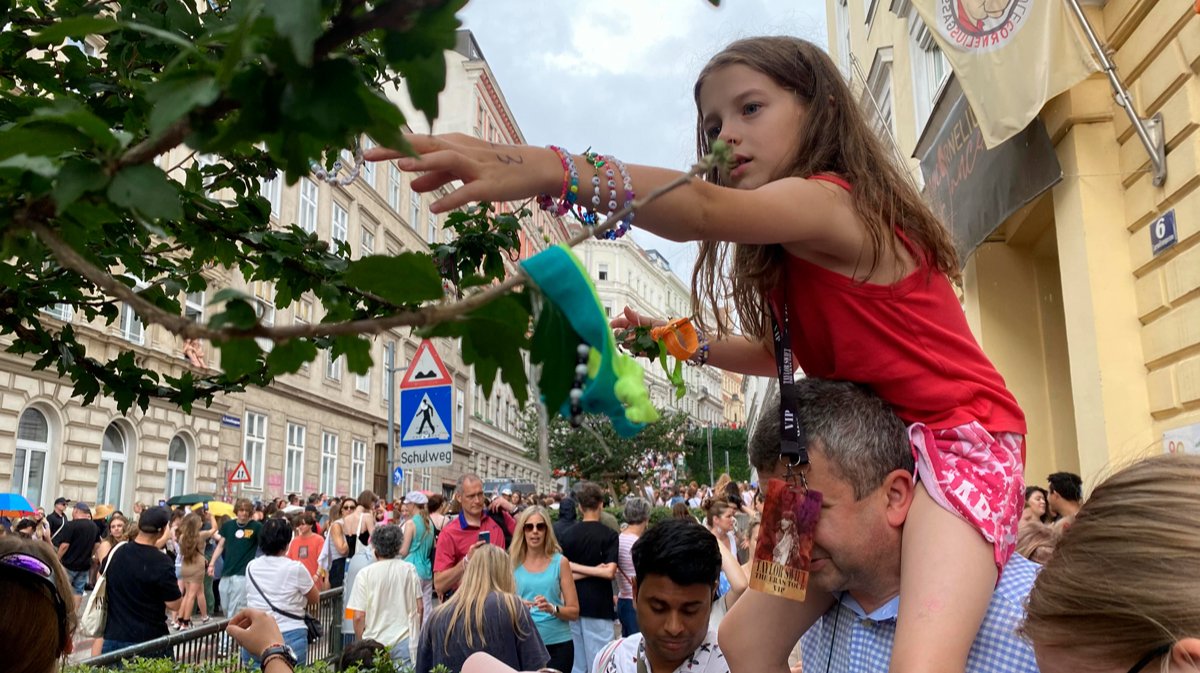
[(570, 186), (627, 185), (700, 357)]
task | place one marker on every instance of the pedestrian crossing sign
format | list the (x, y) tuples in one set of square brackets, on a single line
[(426, 427)]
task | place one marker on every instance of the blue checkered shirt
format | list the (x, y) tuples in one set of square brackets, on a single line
[(862, 643)]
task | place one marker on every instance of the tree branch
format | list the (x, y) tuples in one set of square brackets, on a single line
[(395, 15), (435, 314)]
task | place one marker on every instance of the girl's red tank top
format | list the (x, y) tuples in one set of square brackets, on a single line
[(909, 341)]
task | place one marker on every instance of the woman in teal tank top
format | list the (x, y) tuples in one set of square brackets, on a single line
[(545, 584), (417, 547)]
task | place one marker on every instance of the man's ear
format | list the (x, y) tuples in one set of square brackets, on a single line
[(899, 488)]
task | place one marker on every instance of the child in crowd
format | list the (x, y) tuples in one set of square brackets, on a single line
[(817, 230)]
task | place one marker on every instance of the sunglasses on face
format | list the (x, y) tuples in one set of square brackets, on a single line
[(539, 527), (26, 565), (349, 506)]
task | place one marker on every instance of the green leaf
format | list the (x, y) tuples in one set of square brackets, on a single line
[(42, 142), (77, 26), (418, 53), (76, 178), (239, 357), (357, 350), (553, 347), (300, 21), (407, 278), (229, 294), (163, 35), (289, 356), (147, 190), (238, 314), (39, 165), (176, 97)]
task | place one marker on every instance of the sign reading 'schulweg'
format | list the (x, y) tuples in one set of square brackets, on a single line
[(973, 189)]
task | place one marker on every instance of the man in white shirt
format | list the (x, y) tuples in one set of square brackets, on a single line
[(386, 598), (676, 567)]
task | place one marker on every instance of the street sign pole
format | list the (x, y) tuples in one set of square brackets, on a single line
[(390, 375)]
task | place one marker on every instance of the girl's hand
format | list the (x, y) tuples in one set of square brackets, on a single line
[(254, 630), (543, 605), (488, 171), (631, 318)]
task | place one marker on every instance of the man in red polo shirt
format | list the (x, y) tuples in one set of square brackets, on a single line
[(461, 534)]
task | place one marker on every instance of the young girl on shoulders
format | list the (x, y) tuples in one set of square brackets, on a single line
[(814, 225)]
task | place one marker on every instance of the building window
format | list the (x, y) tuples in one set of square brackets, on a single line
[(113, 456), (358, 465), (362, 382), (59, 311), (254, 446), (608, 308), (602, 273), (869, 10), (309, 199), (131, 326), (193, 306), (333, 367), (302, 314), (393, 188), (293, 464), (339, 224), (432, 235), (878, 101), (366, 241), (930, 68), (32, 456), (329, 456), (414, 207), (177, 466), (368, 168), (264, 304), (460, 409), (842, 26), (272, 190)]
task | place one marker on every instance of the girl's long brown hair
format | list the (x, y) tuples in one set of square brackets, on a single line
[(835, 138)]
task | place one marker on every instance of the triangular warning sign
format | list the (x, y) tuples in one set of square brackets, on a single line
[(426, 369), (426, 423), (241, 475)]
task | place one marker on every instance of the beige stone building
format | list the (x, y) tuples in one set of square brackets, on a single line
[(322, 429), (1088, 297)]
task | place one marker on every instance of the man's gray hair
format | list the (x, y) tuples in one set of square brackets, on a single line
[(469, 476), (387, 541), (854, 429), (637, 510)]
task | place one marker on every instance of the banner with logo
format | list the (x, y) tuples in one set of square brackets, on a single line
[(1010, 56)]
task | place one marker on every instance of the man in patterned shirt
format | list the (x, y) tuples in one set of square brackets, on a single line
[(861, 462), (676, 566)]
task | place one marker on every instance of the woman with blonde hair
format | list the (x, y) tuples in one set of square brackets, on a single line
[(545, 584), (1119, 592), (483, 613), (417, 547)]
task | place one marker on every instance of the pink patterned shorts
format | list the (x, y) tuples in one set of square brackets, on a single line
[(977, 476)]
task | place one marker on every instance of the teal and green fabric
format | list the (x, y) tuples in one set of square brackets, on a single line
[(616, 384)]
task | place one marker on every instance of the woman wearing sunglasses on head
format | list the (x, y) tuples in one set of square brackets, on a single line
[(1119, 591), (545, 584), (39, 634)]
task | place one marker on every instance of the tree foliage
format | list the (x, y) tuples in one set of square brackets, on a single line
[(723, 439), (595, 451), (258, 88)]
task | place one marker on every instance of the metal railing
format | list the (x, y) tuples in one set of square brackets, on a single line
[(209, 644)]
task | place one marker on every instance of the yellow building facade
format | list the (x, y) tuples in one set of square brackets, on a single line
[(1083, 299)]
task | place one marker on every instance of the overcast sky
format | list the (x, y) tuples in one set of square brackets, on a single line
[(617, 75)]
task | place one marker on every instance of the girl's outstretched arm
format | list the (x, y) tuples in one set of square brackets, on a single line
[(810, 215), (734, 353), (760, 630)]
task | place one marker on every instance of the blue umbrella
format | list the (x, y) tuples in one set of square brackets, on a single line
[(15, 504)]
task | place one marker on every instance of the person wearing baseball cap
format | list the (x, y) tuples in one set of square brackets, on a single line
[(57, 518), (418, 546), (141, 587)]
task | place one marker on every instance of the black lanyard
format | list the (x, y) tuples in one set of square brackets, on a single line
[(793, 441)]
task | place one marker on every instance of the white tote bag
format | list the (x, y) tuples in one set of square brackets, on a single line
[(95, 613)]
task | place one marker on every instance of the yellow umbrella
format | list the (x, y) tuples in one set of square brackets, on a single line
[(217, 508)]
